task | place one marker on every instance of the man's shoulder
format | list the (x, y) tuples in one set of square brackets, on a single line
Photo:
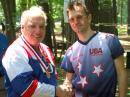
[(108, 36)]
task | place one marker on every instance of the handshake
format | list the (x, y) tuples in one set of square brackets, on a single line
[(65, 90)]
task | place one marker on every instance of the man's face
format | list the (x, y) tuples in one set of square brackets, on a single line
[(34, 30), (78, 20)]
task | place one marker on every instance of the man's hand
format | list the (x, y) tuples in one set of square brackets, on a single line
[(64, 91)]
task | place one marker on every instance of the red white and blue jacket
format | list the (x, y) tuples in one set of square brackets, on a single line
[(25, 70)]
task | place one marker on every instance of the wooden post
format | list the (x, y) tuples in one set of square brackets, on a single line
[(128, 32)]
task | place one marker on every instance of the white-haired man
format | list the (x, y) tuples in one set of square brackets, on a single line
[(29, 64)]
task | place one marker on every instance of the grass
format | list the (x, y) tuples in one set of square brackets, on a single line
[(122, 29)]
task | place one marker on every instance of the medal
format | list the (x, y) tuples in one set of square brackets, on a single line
[(46, 69)]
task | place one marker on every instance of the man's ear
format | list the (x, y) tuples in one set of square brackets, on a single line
[(22, 28)]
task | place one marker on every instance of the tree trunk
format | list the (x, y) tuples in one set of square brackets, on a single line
[(115, 17), (128, 31), (50, 23)]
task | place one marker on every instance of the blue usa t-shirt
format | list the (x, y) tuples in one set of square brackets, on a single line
[(92, 62)]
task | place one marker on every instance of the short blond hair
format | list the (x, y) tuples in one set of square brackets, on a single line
[(33, 11)]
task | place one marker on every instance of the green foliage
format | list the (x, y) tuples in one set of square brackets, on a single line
[(56, 9), (122, 29), (1, 13), (22, 5)]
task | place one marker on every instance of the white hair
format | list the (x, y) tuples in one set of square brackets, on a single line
[(33, 11)]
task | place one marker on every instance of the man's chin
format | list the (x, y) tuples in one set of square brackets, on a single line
[(35, 43)]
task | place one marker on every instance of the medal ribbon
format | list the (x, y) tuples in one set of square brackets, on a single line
[(37, 56)]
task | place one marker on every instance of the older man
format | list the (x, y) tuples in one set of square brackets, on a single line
[(29, 64)]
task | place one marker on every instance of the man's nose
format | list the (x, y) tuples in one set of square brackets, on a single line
[(38, 29)]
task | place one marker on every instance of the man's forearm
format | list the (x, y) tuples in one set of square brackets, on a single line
[(123, 80)]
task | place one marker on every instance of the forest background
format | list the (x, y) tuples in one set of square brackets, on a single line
[(112, 16), (107, 14)]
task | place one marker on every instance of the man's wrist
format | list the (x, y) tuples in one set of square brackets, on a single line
[(55, 92)]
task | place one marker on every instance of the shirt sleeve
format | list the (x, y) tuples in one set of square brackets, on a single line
[(66, 63), (115, 46)]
